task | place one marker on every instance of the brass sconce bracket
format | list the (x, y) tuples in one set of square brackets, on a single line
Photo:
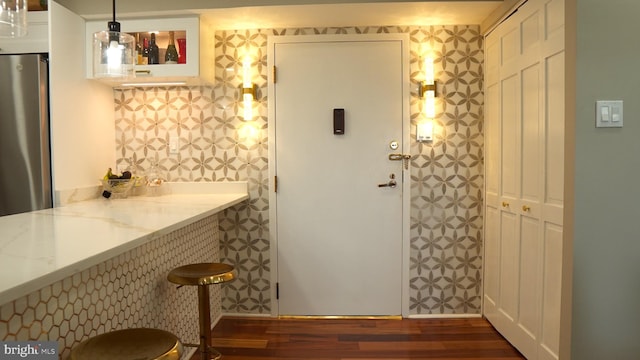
[(423, 88), (250, 90)]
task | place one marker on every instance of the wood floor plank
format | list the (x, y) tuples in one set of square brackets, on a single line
[(241, 343), (401, 345), (359, 339)]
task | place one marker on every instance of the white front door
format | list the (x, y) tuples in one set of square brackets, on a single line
[(339, 234)]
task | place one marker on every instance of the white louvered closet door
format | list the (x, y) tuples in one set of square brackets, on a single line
[(524, 142)]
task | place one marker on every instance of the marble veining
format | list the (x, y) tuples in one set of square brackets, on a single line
[(40, 247)]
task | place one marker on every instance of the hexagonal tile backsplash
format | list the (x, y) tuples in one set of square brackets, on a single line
[(130, 290)]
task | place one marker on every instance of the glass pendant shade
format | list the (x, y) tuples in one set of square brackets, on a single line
[(113, 54), (13, 18)]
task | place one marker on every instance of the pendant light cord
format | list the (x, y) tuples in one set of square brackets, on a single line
[(114, 10), (114, 26)]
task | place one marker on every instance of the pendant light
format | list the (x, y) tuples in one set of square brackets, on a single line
[(13, 18), (113, 52)]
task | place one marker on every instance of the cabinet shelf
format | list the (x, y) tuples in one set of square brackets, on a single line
[(189, 73)]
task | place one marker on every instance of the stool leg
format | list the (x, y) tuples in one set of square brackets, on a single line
[(205, 346), (205, 320)]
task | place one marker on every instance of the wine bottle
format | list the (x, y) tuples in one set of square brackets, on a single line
[(171, 56), (145, 51), (154, 51)]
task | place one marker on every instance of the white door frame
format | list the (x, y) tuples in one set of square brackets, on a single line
[(406, 148)]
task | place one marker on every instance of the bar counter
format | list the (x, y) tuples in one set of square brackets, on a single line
[(92, 266)]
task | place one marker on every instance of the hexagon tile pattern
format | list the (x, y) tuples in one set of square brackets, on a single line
[(130, 290), (217, 145)]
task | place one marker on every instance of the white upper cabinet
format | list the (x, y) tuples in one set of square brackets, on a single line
[(187, 30), (37, 39)]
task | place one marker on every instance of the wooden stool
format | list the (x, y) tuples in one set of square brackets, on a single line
[(203, 275), (129, 344)]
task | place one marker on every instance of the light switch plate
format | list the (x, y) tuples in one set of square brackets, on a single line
[(609, 113), (174, 144)]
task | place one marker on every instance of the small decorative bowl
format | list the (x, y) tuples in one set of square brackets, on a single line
[(118, 187)]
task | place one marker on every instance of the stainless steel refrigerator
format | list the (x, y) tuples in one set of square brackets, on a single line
[(25, 161)]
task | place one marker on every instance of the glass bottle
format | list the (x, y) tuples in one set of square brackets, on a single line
[(182, 50), (145, 51), (138, 50), (171, 56), (154, 51)]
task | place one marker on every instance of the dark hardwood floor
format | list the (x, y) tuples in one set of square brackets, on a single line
[(345, 339)]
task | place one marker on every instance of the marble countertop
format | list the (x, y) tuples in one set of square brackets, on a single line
[(40, 247)]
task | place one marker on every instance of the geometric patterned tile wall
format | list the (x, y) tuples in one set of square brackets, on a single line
[(217, 145), (129, 290)]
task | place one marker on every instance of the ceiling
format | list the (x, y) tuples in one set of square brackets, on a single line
[(330, 15), (252, 14)]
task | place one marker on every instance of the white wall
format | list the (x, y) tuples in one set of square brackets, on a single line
[(82, 111), (606, 286)]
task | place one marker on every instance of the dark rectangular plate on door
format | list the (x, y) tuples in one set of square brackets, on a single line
[(338, 121)]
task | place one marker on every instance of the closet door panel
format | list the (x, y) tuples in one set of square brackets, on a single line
[(530, 34), (509, 46), (554, 137), (491, 263), (531, 132), (551, 290), (510, 162), (509, 265), (492, 145), (554, 19), (529, 275), (492, 58)]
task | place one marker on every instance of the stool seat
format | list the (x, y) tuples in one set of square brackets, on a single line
[(129, 344), (202, 274)]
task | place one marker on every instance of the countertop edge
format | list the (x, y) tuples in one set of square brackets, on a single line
[(39, 282)]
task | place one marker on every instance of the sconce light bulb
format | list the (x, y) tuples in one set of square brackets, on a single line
[(246, 72), (429, 76), (248, 91), (248, 107), (430, 104)]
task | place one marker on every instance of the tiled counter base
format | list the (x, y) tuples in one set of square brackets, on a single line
[(130, 290)]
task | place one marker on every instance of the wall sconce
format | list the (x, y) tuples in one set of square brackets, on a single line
[(113, 52), (427, 90), (13, 18), (248, 89)]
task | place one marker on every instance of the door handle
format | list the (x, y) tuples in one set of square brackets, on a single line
[(392, 183)]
